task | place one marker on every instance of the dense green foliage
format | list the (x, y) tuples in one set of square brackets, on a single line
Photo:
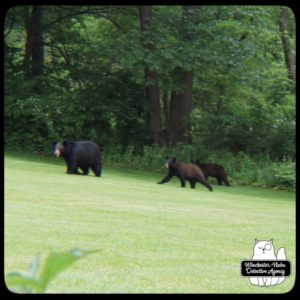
[(93, 85)]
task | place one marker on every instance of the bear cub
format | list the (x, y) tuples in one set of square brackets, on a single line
[(213, 170), (184, 171)]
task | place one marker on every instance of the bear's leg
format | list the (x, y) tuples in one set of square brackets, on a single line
[(167, 178), (223, 177), (205, 183), (182, 180), (219, 179), (85, 171), (77, 172), (226, 181), (97, 170), (192, 183), (72, 169)]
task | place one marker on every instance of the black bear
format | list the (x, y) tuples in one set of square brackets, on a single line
[(185, 171), (213, 170), (83, 155)]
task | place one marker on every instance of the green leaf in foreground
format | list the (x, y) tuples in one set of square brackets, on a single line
[(55, 263), (20, 283)]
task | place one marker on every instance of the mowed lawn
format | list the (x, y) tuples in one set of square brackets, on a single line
[(151, 238)]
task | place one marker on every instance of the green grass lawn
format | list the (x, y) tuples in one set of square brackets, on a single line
[(152, 238)]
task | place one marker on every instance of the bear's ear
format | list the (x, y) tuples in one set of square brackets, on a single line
[(174, 159), (256, 241)]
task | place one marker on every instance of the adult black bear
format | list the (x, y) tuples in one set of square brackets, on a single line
[(185, 171), (213, 170), (83, 155)]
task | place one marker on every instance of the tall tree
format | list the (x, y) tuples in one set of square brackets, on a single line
[(179, 126), (34, 48), (152, 84), (287, 49)]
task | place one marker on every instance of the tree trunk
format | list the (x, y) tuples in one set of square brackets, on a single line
[(34, 47), (38, 41), (179, 126), (289, 59), (152, 85), (27, 57)]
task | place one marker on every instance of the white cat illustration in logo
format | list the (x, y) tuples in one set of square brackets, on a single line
[(264, 250)]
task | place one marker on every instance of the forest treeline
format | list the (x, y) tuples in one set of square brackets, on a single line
[(214, 80)]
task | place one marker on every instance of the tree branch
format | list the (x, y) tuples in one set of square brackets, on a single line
[(101, 12)]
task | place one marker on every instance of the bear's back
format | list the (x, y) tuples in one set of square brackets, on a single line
[(85, 151), (190, 170), (212, 169)]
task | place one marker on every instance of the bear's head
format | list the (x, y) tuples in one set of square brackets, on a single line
[(170, 162), (62, 149), (58, 149)]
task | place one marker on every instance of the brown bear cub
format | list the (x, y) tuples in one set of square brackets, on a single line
[(213, 170), (185, 171)]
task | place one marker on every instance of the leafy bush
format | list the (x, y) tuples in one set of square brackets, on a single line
[(283, 177), (151, 159)]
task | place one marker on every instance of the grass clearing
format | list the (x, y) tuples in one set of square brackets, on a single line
[(152, 238)]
